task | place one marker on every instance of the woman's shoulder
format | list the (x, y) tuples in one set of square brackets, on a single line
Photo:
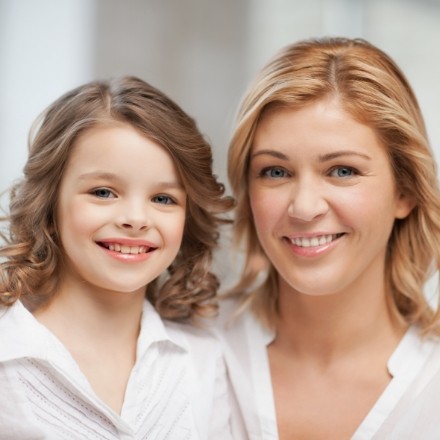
[(237, 322), (233, 313), (416, 413), (244, 340), (243, 336)]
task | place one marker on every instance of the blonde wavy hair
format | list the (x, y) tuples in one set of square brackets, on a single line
[(31, 259), (372, 88)]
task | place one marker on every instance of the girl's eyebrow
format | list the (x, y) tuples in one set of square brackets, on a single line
[(171, 185), (98, 175), (113, 177)]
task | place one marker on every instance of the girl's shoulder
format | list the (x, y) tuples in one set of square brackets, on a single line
[(20, 333), (182, 336), (198, 337)]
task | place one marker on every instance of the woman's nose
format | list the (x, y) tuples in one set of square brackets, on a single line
[(308, 201)]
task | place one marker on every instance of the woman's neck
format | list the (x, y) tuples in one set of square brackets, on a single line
[(329, 326)]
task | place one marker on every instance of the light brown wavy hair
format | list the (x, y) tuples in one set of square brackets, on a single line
[(31, 259), (372, 88)]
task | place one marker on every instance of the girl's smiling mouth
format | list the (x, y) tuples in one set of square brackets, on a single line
[(124, 249), (127, 248)]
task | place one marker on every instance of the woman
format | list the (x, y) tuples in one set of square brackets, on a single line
[(338, 212)]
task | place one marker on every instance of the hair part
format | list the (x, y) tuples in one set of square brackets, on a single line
[(369, 86), (33, 256)]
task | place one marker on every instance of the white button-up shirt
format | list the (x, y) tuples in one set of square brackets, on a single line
[(408, 408), (177, 389)]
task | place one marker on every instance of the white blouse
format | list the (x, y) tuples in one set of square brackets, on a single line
[(177, 389), (408, 409)]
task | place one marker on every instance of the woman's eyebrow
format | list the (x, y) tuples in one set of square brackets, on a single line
[(273, 153), (342, 153), (322, 157)]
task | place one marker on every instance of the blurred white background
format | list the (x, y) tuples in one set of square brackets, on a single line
[(202, 53)]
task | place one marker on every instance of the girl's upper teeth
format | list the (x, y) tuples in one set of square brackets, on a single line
[(313, 241), (124, 249)]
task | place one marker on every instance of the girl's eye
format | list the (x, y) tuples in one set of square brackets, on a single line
[(342, 172), (164, 200), (103, 193), (274, 173)]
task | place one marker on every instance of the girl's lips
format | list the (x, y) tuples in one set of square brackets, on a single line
[(127, 247)]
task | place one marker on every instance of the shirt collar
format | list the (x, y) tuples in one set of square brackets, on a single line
[(254, 326), (21, 335), (411, 353), (412, 349), (155, 330)]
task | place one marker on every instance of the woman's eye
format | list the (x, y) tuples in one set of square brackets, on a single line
[(342, 172), (164, 200), (274, 173), (103, 193)]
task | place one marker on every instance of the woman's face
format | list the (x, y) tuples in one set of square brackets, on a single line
[(323, 198)]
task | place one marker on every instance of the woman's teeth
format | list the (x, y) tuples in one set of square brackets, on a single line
[(314, 241)]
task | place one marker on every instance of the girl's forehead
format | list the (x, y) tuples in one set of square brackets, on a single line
[(118, 146)]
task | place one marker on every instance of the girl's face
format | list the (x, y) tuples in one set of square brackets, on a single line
[(121, 210), (323, 198)]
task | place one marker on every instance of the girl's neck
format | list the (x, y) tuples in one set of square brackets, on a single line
[(100, 330), (80, 311)]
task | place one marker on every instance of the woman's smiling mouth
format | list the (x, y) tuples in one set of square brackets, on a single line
[(319, 240)]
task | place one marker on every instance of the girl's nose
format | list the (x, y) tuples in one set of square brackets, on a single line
[(135, 225), (135, 216)]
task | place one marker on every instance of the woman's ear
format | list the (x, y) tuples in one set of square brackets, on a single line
[(404, 206)]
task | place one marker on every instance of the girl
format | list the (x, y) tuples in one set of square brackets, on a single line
[(338, 202), (111, 235)]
